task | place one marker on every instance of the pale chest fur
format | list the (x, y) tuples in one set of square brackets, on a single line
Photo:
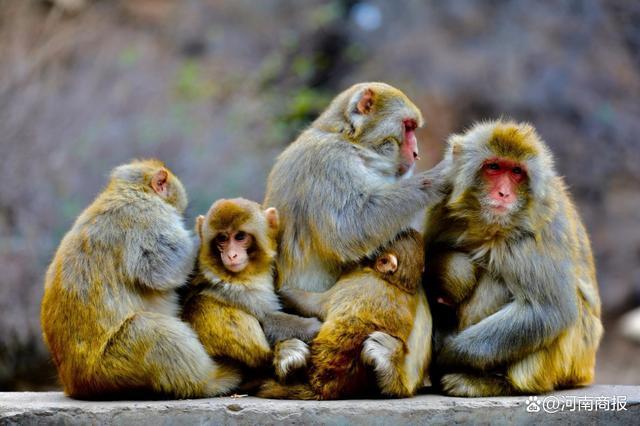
[(256, 296)]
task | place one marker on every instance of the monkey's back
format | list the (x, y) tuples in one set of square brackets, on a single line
[(360, 304), (87, 292)]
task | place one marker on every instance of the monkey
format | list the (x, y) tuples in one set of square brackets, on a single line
[(344, 187), (110, 313), (507, 250), (234, 308), (376, 319)]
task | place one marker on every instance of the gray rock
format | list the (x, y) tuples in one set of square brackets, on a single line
[(593, 406)]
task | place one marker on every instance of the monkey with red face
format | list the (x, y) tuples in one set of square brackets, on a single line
[(507, 251), (234, 308)]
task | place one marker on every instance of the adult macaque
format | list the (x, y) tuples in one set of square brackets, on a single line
[(109, 312), (343, 188), (234, 307), (509, 252), (376, 320)]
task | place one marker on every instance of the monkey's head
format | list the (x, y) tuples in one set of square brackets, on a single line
[(153, 177), (401, 262), (382, 120), (498, 170), (237, 239)]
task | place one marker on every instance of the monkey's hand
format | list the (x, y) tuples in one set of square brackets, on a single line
[(434, 183), (280, 326)]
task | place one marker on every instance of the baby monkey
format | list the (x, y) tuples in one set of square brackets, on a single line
[(376, 330), (233, 306)]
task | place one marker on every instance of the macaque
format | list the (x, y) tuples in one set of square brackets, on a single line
[(508, 254), (376, 335), (110, 312), (234, 308), (344, 187)]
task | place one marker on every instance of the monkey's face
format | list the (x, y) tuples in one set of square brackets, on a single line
[(233, 247), (384, 120), (500, 171), (504, 184), (238, 239)]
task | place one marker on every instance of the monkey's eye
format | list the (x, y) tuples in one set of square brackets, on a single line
[(384, 261), (240, 236), (221, 238), (493, 166), (517, 170)]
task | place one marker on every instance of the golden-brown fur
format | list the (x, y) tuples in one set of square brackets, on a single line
[(237, 314), (376, 332), (109, 312), (522, 285)]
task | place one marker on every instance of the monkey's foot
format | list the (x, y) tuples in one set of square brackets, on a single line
[(469, 385), (290, 355), (379, 349), (223, 380)]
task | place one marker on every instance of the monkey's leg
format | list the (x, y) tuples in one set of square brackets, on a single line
[(226, 331), (567, 362), (386, 355), (475, 385), (290, 355), (162, 353), (399, 371)]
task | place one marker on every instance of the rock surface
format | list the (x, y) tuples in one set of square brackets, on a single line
[(593, 406)]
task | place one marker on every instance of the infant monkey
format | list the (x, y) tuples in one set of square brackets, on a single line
[(374, 316), (233, 306)]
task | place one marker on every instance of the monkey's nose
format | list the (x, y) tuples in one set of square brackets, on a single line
[(503, 194), (415, 155)]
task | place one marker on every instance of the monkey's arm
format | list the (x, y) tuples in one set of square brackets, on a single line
[(452, 273), (160, 258), (280, 326), (306, 303), (545, 303), (370, 216)]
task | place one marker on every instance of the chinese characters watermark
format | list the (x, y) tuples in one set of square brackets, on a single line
[(553, 404)]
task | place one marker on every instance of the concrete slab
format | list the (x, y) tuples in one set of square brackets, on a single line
[(592, 405)]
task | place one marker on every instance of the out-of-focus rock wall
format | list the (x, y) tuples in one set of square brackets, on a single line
[(218, 88)]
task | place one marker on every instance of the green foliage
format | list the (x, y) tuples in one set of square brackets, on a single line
[(193, 84)]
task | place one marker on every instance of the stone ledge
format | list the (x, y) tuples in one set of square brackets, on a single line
[(53, 407)]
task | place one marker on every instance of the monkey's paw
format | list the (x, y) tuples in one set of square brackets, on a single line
[(467, 385), (290, 355), (379, 349)]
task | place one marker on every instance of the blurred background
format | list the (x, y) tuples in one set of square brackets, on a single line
[(217, 89)]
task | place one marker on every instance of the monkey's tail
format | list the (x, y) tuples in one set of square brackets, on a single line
[(275, 390)]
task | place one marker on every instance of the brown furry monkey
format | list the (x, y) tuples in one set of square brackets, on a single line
[(110, 312), (234, 308), (343, 188), (376, 320), (507, 249)]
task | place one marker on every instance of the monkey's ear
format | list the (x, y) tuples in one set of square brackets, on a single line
[(273, 219), (387, 263), (365, 103), (199, 222), (159, 182)]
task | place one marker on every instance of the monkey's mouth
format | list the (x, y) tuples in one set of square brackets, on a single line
[(235, 266)]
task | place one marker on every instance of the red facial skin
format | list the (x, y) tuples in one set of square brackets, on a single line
[(503, 177), (233, 248), (409, 146)]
